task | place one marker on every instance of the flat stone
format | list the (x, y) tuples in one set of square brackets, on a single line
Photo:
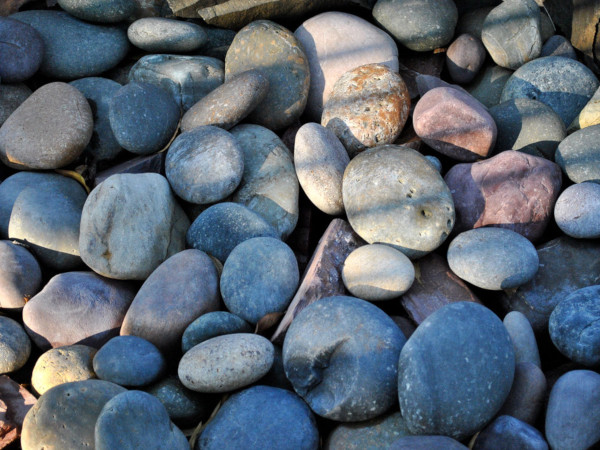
[(139, 164), (16, 403), (63, 365), (523, 338), (11, 97), (506, 433), (15, 345), (20, 276), (48, 130), (577, 211), (488, 85), (578, 155), (210, 325), (21, 51), (558, 45), (527, 396), (101, 11), (162, 35), (426, 443), (464, 58)]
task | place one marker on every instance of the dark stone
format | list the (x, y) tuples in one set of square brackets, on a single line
[(102, 11), (488, 85), (11, 97), (15, 346), (20, 276), (139, 164), (464, 58), (508, 433), (426, 443), (210, 325), (527, 395), (21, 50), (16, 403), (558, 45), (523, 338), (578, 155)]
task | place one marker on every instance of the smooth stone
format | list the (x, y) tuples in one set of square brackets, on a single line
[(329, 57), (340, 355), (63, 365), (228, 104), (589, 115), (471, 22), (16, 403), (21, 50), (98, 92), (377, 272), (204, 165), (276, 377), (219, 40), (210, 325), (73, 48), (101, 11), (20, 276), (426, 83), (578, 155), (558, 45), (320, 160), (284, 422), (65, 416), (529, 126), (187, 78), (139, 164), (136, 419), (368, 106), (566, 264), (225, 363), (420, 25), (435, 161), (577, 211), (15, 345), (89, 308), (11, 97), (426, 443), (223, 226), (488, 85), (565, 85), (464, 58), (507, 433), (269, 185), (393, 195), (466, 6), (523, 338), (180, 290), (260, 277), (511, 33), (48, 130), (147, 226), (143, 117), (377, 433), (572, 416), (575, 326), (504, 191), (162, 35), (467, 343), (527, 396), (278, 54), (493, 258)]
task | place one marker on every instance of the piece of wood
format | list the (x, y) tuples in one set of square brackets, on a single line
[(15, 402)]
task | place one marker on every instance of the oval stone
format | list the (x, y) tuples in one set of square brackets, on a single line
[(21, 50), (558, 45), (162, 35), (15, 345), (577, 211), (523, 338), (102, 11), (578, 155), (464, 58), (527, 395), (509, 432), (20, 276), (11, 97), (210, 325), (63, 365)]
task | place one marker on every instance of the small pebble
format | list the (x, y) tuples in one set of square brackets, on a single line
[(161, 35), (210, 325), (15, 345), (63, 365)]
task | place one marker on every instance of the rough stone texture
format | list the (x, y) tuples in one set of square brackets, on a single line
[(572, 416), (277, 53), (89, 308), (102, 11), (48, 130), (335, 43), (504, 191), (471, 22), (210, 325), (63, 365), (139, 164), (21, 50), (566, 265), (73, 48), (161, 35), (393, 195), (507, 433), (225, 363), (187, 78), (15, 345), (527, 395), (577, 211), (558, 45), (523, 338), (455, 371), (269, 185), (488, 85), (11, 97), (145, 227), (511, 33), (66, 415), (426, 443), (229, 103), (464, 58), (20, 276), (578, 155), (16, 403), (589, 115)]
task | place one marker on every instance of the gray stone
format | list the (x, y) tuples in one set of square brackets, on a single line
[(578, 155), (11, 97), (468, 349), (225, 363), (471, 22), (210, 325), (394, 196), (102, 11), (426, 83), (577, 211), (15, 345), (507, 433), (161, 35), (523, 338), (558, 45), (426, 443), (21, 50), (20, 276), (146, 226), (63, 365), (527, 396), (464, 58), (488, 85)]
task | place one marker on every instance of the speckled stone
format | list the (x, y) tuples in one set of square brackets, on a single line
[(577, 211), (426, 443), (11, 97), (358, 344), (102, 11), (507, 433), (464, 58), (488, 85), (275, 51), (15, 345), (20, 275), (522, 337), (578, 155), (393, 195), (558, 45), (21, 50), (210, 325), (161, 35), (225, 363), (63, 365)]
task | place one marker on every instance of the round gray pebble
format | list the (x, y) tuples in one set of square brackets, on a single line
[(578, 155), (161, 35), (577, 211), (63, 365), (15, 345), (210, 325)]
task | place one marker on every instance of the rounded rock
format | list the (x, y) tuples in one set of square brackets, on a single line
[(161, 35), (507, 432), (578, 155), (426, 443), (11, 97), (558, 45), (21, 50), (63, 365), (210, 325), (101, 11), (15, 345), (464, 58), (488, 85), (527, 395), (577, 211), (522, 337), (20, 276)]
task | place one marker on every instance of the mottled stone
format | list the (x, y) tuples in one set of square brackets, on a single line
[(21, 50), (16, 403), (15, 345), (578, 155), (558, 45), (426, 443), (161, 35), (523, 338), (577, 211), (63, 365), (507, 433), (527, 395), (20, 276), (102, 11), (11, 97), (464, 58), (488, 85)]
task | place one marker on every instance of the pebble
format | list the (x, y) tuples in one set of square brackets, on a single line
[(464, 58), (15, 346), (527, 396), (11, 97), (578, 155), (487, 87), (225, 363), (368, 106), (426, 443), (210, 325), (589, 115), (393, 195), (426, 83), (471, 22), (162, 35), (63, 365), (377, 433), (558, 45), (523, 338), (101, 11), (48, 130), (21, 50), (506, 433), (577, 211), (20, 276)]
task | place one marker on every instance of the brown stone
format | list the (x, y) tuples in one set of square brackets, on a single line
[(15, 402), (140, 164), (512, 190), (464, 58)]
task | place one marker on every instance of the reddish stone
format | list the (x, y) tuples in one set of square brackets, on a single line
[(15, 402)]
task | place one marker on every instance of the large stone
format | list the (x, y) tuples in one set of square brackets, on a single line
[(63, 365), (507, 433), (162, 35), (577, 211), (21, 50), (20, 276), (527, 395), (16, 403), (11, 97), (210, 325), (15, 345), (101, 11), (578, 155)]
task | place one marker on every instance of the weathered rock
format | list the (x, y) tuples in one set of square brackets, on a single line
[(578, 155), (15, 346), (161, 35), (102, 11), (488, 85), (11, 97), (426, 443), (523, 338), (63, 365), (558, 45), (210, 325), (506, 433), (464, 58), (577, 211), (16, 403), (20, 276), (21, 51)]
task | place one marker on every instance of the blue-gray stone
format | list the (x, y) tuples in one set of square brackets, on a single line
[(558, 45), (341, 355), (577, 211), (20, 276), (578, 155), (135, 420), (455, 371), (261, 417), (488, 85), (162, 35), (508, 433), (222, 227), (522, 337), (129, 361), (426, 443), (528, 394), (11, 97), (15, 345), (143, 117), (101, 11), (276, 375), (98, 92), (565, 85), (259, 277), (21, 50), (73, 48), (210, 325)]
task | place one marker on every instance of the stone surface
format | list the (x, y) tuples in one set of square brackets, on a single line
[(523, 338), (146, 226), (527, 395), (426, 83), (139, 164), (578, 155), (340, 355), (393, 195), (89, 308), (426, 443), (504, 191), (21, 51), (210, 325), (15, 345), (63, 365), (48, 130), (454, 123), (577, 211), (102, 11), (471, 22), (16, 403), (11, 97), (506, 433), (225, 363), (488, 85), (20, 276), (162, 35), (467, 355), (588, 116), (464, 58), (558, 45)]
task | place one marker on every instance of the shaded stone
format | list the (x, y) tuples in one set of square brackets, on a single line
[(219, 40), (426, 443), (21, 50), (578, 155), (577, 211), (161, 35), (15, 345), (89, 308), (16, 403), (210, 325), (558, 45), (588, 116), (504, 191), (523, 338), (527, 395), (63, 365), (20, 276), (507, 433), (101, 11), (464, 58), (471, 22), (139, 164), (488, 85), (11, 97), (426, 83)]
